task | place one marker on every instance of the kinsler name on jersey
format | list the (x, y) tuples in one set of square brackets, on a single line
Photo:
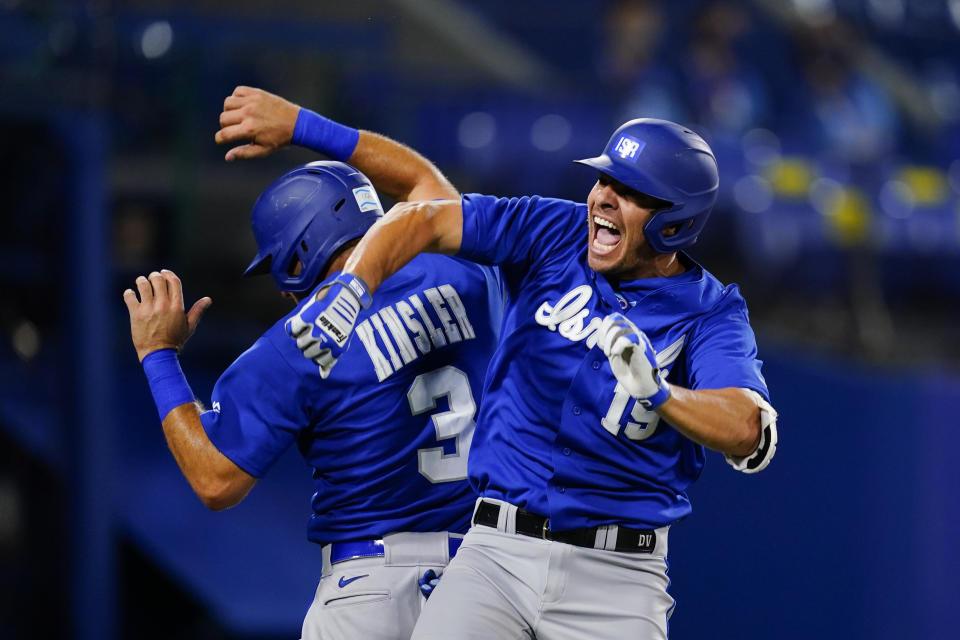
[(406, 323)]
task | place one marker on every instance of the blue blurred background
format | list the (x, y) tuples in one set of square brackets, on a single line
[(837, 128)]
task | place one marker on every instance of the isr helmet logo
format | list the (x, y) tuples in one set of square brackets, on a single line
[(366, 199), (628, 147)]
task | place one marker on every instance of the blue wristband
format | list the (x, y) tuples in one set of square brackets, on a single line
[(315, 132), (166, 380), (657, 399), (357, 287)]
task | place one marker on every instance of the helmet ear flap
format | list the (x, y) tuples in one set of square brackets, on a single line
[(295, 266)]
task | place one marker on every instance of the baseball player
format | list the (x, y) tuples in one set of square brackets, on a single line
[(619, 361), (387, 433)]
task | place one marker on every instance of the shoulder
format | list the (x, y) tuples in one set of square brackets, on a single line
[(715, 296), (526, 204), (724, 319), (429, 269), (276, 353)]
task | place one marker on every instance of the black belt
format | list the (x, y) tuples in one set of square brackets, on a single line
[(537, 526)]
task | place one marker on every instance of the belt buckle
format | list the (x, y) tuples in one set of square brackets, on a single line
[(546, 528)]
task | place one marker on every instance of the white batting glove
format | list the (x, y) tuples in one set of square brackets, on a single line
[(759, 459), (633, 360), (322, 328)]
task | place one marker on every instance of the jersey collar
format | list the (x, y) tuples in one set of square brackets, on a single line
[(682, 291)]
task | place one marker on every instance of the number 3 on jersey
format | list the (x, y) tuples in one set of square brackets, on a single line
[(457, 422)]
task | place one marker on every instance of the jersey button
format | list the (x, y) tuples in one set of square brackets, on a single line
[(596, 364), (576, 411), (562, 489), (566, 451)]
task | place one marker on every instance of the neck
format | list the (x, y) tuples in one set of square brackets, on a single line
[(659, 265), (666, 264), (335, 265), (339, 261)]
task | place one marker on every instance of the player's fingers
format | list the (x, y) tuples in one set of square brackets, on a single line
[(229, 117), (309, 346), (130, 299), (159, 284), (174, 288), (295, 326), (245, 152), (233, 102), (622, 347), (243, 90), (603, 336), (615, 331), (325, 361), (145, 289), (233, 133), (196, 312)]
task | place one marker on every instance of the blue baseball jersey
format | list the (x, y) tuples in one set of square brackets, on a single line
[(556, 434), (387, 433)]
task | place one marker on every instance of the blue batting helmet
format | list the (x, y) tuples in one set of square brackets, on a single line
[(306, 215), (670, 162)]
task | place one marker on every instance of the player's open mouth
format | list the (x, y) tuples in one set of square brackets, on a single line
[(606, 235)]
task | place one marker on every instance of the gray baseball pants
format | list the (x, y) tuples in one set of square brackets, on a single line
[(375, 598), (502, 585)]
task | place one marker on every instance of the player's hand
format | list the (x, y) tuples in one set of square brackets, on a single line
[(157, 319), (324, 325), (428, 582), (633, 360), (262, 121)]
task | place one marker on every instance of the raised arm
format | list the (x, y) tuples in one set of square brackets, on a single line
[(408, 229), (159, 328), (258, 123), (323, 327)]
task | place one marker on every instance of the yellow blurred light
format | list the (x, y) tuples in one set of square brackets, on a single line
[(927, 184), (849, 217), (791, 177)]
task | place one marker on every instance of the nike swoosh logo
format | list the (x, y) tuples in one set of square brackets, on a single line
[(344, 582)]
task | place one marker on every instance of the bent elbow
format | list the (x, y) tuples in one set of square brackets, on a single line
[(748, 437), (217, 495)]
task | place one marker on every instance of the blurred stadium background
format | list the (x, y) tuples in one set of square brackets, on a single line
[(837, 127)]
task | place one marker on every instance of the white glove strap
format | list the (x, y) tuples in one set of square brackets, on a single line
[(759, 459)]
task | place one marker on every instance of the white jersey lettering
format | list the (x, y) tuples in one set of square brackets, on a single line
[(436, 335), (459, 312), (380, 364), (436, 300), (394, 358), (400, 336), (399, 333), (567, 316), (420, 337)]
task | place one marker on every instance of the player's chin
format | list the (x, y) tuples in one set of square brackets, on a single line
[(604, 262)]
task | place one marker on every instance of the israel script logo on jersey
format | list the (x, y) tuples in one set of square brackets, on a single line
[(628, 147), (406, 329), (366, 198), (567, 316)]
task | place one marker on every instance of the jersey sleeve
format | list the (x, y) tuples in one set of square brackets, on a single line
[(518, 233), (256, 409), (723, 350)]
